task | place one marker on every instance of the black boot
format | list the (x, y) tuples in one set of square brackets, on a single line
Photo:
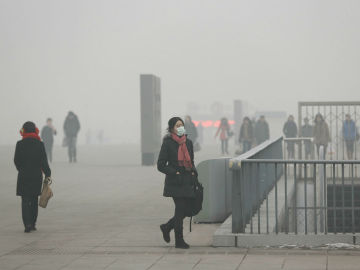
[(179, 241), (165, 229), (27, 229)]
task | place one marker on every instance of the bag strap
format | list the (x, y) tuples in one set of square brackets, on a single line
[(190, 222)]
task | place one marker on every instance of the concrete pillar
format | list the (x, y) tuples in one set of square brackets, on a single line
[(150, 106)]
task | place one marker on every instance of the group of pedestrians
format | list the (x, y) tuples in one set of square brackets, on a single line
[(32, 155), (319, 135), (176, 161), (71, 130), (251, 133)]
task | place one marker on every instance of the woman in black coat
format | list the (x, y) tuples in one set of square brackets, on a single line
[(176, 160), (31, 162)]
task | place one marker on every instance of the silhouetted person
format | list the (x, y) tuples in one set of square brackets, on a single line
[(191, 130), (246, 134), (290, 131), (71, 129), (31, 162), (307, 132), (47, 136), (349, 134), (224, 130), (321, 134), (262, 132), (176, 160)]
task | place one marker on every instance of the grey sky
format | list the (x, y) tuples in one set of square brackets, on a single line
[(87, 56)]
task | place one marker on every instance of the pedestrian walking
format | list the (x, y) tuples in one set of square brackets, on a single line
[(71, 129), (321, 134), (191, 130), (225, 133), (176, 161), (246, 134), (262, 132), (31, 162), (47, 136), (349, 134), (307, 132), (290, 131)]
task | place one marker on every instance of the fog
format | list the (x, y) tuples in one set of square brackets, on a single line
[(87, 56)]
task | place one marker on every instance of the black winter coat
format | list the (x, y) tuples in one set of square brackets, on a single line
[(181, 185), (71, 126), (290, 129), (262, 132), (30, 161)]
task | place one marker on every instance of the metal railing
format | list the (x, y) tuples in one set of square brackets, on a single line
[(334, 114), (301, 145), (312, 195), (243, 189)]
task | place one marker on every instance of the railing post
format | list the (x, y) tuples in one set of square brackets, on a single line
[(237, 211)]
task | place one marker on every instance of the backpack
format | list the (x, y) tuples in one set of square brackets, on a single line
[(195, 204)]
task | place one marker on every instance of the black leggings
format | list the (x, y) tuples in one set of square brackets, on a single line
[(176, 222), (29, 207), (318, 150)]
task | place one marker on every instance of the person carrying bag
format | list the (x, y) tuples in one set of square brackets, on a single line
[(176, 161), (31, 162)]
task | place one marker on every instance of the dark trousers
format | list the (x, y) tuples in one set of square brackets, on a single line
[(318, 150), (246, 146), (291, 149), (350, 148), (176, 222), (224, 146), (72, 148), (308, 149), (29, 207), (48, 150)]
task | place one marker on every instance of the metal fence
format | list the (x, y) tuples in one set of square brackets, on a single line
[(314, 199), (334, 114)]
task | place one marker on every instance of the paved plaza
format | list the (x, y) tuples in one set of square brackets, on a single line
[(106, 214)]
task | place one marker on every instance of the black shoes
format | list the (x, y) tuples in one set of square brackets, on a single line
[(30, 228), (180, 243), (166, 232), (179, 238)]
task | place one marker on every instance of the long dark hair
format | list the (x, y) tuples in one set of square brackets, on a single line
[(224, 122), (172, 122)]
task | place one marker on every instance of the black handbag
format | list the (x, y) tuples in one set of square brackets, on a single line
[(195, 204)]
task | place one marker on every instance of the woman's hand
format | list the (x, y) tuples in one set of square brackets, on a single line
[(177, 172)]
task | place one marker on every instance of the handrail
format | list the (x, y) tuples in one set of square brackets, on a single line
[(301, 161)]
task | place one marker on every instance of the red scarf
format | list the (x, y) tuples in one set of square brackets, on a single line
[(34, 135), (183, 153)]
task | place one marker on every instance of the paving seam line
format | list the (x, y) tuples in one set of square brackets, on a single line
[(246, 253)]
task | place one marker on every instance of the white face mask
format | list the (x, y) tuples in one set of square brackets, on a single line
[(180, 131)]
